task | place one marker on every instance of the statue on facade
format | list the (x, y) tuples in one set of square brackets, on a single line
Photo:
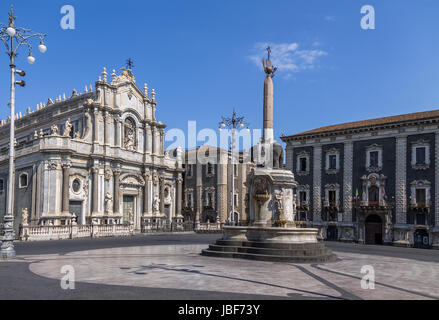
[(131, 214), (54, 129), (88, 125), (156, 204), (129, 139), (24, 217), (108, 203), (68, 129)]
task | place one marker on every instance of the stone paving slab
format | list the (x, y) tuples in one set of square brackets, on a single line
[(182, 267)]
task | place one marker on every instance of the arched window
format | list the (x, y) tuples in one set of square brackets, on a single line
[(130, 141)]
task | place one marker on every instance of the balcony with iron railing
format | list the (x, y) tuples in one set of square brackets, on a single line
[(303, 205), (331, 205), (420, 206)]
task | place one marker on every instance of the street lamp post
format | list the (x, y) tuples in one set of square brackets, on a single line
[(10, 35), (233, 123)]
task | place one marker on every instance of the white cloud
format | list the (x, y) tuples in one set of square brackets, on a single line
[(288, 57)]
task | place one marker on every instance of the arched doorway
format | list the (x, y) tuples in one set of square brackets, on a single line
[(332, 233), (421, 239), (374, 230)]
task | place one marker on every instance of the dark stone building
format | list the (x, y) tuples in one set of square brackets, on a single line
[(373, 181), (208, 186)]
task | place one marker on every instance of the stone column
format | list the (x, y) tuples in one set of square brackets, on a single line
[(243, 192), (268, 108), (118, 131), (317, 184), (199, 193), (116, 204), (66, 189), (146, 175), (95, 171), (147, 133), (96, 126), (153, 134), (179, 195), (162, 195), (107, 128), (162, 142), (401, 236)]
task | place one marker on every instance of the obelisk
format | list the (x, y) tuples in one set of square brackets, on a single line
[(268, 135)]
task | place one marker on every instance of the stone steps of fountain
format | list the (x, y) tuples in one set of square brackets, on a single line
[(272, 252), (272, 258), (276, 252), (271, 245)]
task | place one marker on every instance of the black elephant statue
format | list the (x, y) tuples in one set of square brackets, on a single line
[(278, 156)]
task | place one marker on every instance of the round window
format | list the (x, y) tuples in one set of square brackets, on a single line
[(76, 185)]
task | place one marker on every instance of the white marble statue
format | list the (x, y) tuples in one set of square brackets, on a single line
[(68, 129), (156, 204), (24, 217), (54, 129), (108, 203), (129, 140)]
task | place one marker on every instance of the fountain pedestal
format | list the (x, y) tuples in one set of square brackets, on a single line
[(271, 204)]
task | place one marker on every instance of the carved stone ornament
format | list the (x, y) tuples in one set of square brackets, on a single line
[(261, 185), (53, 166), (108, 174), (24, 217)]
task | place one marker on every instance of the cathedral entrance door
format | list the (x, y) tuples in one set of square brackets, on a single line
[(75, 208), (374, 230), (128, 209)]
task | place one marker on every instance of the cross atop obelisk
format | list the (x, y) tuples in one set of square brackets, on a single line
[(268, 98)]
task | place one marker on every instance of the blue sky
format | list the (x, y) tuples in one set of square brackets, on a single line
[(200, 57)]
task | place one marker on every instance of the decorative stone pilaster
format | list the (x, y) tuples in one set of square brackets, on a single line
[(153, 140), (146, 176), (317, 185), (96, 125), (95, 171), (347, 232), (108, 119), (66, 189), (435, 238), (162, 195), (179, 195), (290, 157), (116, 204), (401, 229), (347, 180), (118, 131), (222, 187), (162, 142)]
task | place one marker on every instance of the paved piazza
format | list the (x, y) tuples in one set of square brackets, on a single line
[(180, 266)]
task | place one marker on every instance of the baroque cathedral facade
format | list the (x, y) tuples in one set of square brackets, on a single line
[(96, 158), (373, 181)]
